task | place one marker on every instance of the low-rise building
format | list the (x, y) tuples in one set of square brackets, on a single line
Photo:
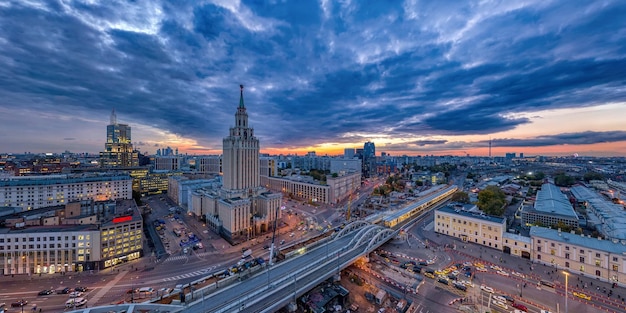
[(471, 225), (33, 192), (580, 254), (551, 208)]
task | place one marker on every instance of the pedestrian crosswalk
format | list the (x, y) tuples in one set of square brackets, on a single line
[(185, 257), (176, 258), (206, 271)]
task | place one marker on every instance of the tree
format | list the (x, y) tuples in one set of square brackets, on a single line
[(593, 176), (460, 196), (491, 200), (563, 180)]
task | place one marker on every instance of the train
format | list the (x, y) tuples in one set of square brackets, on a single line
[(417, 207)]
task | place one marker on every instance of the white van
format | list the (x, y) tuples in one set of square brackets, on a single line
[(75, 302), (146, 290)]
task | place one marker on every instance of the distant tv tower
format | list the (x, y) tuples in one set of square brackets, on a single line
[(490, 147)]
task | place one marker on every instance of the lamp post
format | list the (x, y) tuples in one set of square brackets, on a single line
[(566, 285)]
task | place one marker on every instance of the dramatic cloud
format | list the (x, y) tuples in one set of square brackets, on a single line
[(316, 74), (584, 138)]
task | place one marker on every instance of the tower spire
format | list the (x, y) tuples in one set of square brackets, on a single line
[(113, 117), (241, 97)]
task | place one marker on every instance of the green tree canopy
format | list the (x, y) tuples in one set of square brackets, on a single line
[(563, 180), (491, 200), (593, 176), (460, 196)]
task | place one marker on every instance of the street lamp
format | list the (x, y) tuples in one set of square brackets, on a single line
[(566, 282)]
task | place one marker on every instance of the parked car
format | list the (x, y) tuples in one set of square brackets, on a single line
[(81, 289), (486, 288), (45, 292)]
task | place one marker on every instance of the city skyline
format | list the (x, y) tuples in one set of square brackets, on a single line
[(445, 79)]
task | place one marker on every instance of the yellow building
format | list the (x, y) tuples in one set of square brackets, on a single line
[(579, 254), (470, 225)]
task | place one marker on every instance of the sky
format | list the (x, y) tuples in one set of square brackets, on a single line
[(414, 77)]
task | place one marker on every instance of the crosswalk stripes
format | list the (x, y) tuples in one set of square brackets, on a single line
[(174, 258), (205, 271)]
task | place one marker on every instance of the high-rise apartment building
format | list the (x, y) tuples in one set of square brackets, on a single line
[(118, 149), (369, 150)]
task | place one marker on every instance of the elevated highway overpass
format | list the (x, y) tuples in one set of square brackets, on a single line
[(280, 284), (276, 286)]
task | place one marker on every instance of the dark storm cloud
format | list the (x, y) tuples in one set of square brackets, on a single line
[(314, 72), (582, 138), (422, 143)]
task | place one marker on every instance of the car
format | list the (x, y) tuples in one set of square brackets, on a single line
[(266, 247), (500, 304), (481, 269), (429, 275), (81, 289), (45, 292), (520, 307), (442, 280), (460, 286), (165, 291), (65, 290), (508, 298), (503, 273), (499, 298), (518, 274), (75, 294), (19, 303), (486, 288), (282, 241), (581, 295), (75, 302)]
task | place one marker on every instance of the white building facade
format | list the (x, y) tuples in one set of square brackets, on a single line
[(33, 192)]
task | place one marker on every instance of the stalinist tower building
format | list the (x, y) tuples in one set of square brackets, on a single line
[(242, 208)]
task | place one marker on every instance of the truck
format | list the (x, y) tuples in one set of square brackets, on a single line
[(246, 253)]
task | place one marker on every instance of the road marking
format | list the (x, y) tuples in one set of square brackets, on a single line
[(205, 271)]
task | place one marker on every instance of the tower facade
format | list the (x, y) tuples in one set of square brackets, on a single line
[(240, 160), (118, 148), (242, 209)]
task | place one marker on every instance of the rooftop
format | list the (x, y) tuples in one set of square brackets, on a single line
[(551, 200), (472, 214), (618, 247)]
